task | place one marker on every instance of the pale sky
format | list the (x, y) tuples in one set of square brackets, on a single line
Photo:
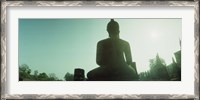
[(61, 45)]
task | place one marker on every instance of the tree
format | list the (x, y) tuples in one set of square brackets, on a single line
[(145, 76), (25, 75), (35, 75), (69, 77), (158, 70), (43, 77), (24, 72), (153, 62), (36, 72), (52, 77)]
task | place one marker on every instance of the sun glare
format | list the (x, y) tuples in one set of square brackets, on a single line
[(154, 35)]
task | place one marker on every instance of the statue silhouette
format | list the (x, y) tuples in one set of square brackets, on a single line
[(114, 58)]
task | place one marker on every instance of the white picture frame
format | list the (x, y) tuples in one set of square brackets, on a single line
[(19, 89)]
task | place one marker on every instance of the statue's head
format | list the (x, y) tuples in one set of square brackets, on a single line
[(113, 28)]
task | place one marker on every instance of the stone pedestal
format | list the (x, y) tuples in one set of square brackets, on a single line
[(79, 74)]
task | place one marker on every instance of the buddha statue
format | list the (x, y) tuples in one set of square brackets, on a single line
[(113, 57)]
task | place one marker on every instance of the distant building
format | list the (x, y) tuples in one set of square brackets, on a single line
[(178, 58), (159, 71), (174, 69)]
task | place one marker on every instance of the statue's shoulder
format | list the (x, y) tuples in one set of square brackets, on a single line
[(124, 42), (104, 41)]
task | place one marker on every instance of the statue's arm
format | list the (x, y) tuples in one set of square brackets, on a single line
[(99, 54), (128, 54)]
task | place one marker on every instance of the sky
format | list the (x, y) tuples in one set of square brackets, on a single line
[(61, 45)]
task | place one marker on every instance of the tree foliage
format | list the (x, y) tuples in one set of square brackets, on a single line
[(157, 72), (25, 75), (52, 76), (24, 71), (69, 77)]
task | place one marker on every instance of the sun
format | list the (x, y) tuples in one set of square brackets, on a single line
[(154, 35)]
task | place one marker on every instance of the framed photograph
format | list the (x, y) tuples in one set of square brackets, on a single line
[(100, 50)]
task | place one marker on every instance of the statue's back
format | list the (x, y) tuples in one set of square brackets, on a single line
[(111, 51)]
